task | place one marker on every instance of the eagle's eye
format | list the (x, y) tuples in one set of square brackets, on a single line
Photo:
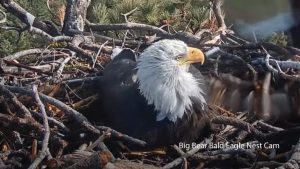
[(178, 58)]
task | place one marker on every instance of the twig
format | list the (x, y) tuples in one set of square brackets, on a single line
[(27, 67), (269, 127), (240, 124), (123, 136), (53, 121), (98, 53), (26, 52), (129, 13), (95, 47), (100, 144), (82, 80), (80, 52), (61, 67), (24, 71), (179, 160), (95, 143), (42, 154), (124, 39)]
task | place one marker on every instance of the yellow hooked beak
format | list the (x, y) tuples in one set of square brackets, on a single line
[(194, 55)]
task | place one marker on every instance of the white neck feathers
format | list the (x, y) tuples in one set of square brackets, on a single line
[(166, 84)]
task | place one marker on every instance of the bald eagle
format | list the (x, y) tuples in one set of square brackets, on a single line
[(158, 97)]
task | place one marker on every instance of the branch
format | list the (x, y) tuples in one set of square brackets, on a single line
[(125, 26), (123, 136), (96, 160), (42, 154), (240, 124), (48, 36), (26, 52), (268, 127), (190, 39), (27, 17), (279, 71), (179, 160), (102, 38), (283, 64), (129, 13), (95, 47), (27, 67), (75, 15), (61, 67), (98, 53), (53, 121), (278, 49), (218, 13)]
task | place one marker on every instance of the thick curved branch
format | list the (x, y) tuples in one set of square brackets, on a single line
[(49, 36), (27, 17)]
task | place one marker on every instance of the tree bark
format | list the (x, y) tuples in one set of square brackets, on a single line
[(75, 15)]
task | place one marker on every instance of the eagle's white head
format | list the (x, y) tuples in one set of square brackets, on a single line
[(164, 79)]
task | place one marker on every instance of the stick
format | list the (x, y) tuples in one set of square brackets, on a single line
[(17, 55), (42, 154), (240, 124), (179, 160), (95, 161), (123, 136), (98, 53)]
